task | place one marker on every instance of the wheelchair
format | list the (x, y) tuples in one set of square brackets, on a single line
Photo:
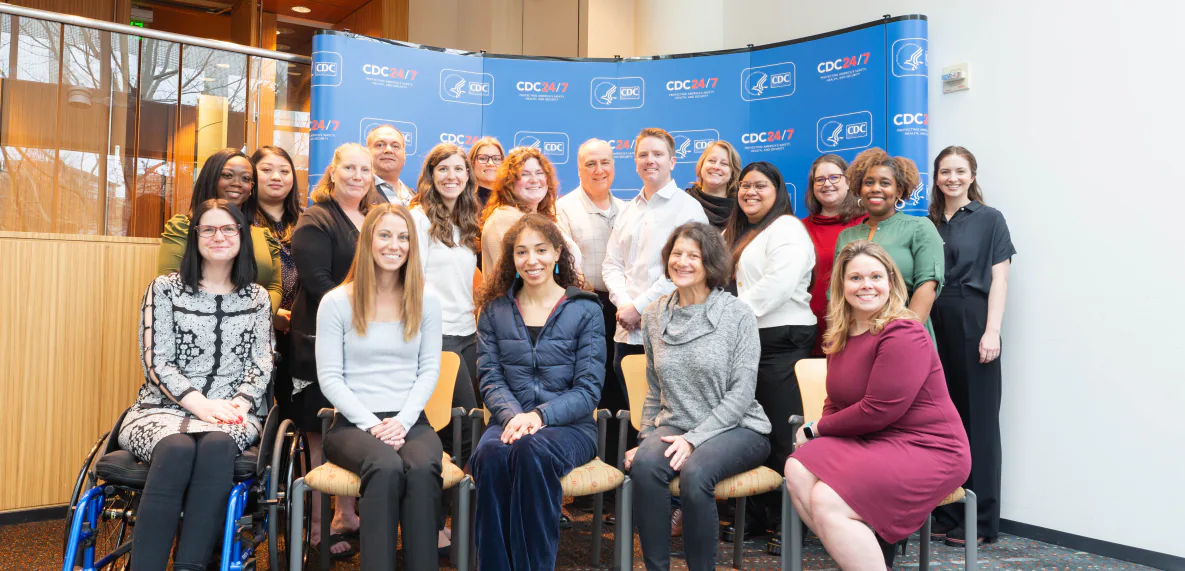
[(102, 514)]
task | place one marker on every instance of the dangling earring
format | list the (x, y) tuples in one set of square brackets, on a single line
[(557, 269), (860, 202), (516, 276), (900, 204)]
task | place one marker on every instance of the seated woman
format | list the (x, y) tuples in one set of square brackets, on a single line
[(700, 420), (206, 346), (890, 445), (378, 358), (541, 355), (229, 175)]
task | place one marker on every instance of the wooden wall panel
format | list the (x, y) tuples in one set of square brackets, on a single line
[(68, 358)]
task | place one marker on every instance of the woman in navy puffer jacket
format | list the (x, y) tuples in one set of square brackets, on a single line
[(541, 359)]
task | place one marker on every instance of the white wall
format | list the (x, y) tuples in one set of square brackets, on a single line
[(609, 27), (530, 27), (1075, 117)]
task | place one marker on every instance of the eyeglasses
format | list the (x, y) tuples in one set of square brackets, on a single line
[(229, 231), (490, 159), (230, 175), (833, 179), (760, 186)]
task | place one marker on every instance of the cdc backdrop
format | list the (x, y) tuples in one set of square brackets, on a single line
[(786, 103)]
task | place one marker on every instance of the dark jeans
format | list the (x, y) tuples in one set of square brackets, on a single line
[(519, 494), (729, 453), (960, 318), (398, 487), (200, 468), (777, 391), (463, 392)]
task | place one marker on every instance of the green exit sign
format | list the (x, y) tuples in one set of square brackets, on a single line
[(138, 23)]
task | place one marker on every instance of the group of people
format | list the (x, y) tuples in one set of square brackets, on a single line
[(349, 303)]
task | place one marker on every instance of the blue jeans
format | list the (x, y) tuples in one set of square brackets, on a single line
[(519, 495), (727, 454)]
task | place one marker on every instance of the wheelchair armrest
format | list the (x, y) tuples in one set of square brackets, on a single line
[(796, 422)]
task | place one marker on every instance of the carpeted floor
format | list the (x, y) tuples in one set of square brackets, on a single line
[(37, 546)]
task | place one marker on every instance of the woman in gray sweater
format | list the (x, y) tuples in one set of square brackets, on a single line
[(700, 420), (378, 357)]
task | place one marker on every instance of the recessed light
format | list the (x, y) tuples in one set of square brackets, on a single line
[(301, 10), (284, 31), (222, 65), (283, 47), (294, 73)]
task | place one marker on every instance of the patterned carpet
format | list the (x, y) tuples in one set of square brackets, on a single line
[(37, 546)]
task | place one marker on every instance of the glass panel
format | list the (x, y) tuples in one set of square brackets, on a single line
[(280, 99), (213, 112), (156, 136), (121, 159), (28, 123)]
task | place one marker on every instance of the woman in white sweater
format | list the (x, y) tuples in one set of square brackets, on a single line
[(774, 259), (378, 357)]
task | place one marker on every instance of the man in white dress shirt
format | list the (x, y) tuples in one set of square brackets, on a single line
[(388, 149)]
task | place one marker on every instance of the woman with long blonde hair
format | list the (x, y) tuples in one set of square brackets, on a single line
[(378, 358), (890, 445), (323, 245)]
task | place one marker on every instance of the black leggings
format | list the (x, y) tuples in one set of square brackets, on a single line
[(200, 469)]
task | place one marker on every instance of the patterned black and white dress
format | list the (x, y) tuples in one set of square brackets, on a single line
[(219, 345)]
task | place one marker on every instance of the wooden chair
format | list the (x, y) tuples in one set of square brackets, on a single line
[(812, 384), (739, 487), (333, 480)]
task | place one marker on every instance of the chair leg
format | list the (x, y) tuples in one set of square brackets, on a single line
[(455, 508), (624, 532), (326, 517), (738, 538), (598, 507), (924, 546), (971, 528), (794, 546), (461, 527), (296, 526)]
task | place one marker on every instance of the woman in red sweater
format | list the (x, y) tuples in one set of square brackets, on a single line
[(832, 210)]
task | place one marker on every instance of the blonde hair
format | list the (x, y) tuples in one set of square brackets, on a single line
[(734, 167), (362, 274), (839, 313), (323, 192)]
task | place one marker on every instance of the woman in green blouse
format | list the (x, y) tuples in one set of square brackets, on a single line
[(228, 174), (884, 183)]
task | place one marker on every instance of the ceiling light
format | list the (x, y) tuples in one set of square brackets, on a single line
[(301, 10), (284, 31)]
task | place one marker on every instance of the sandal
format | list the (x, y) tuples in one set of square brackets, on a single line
[(350, 538)]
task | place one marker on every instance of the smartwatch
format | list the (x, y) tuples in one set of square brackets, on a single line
[(809, 430)]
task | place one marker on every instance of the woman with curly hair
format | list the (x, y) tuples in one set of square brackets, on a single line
[(884, 184), (541, 353), (526, 183)]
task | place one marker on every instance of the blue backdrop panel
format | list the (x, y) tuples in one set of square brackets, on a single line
[(786, 103)]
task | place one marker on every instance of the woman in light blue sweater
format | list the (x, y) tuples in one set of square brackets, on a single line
[(378, 357)]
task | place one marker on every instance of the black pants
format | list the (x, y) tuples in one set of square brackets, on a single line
[(200, 468), (401, 487), (729, 453), (960, 318), (463, 393), (777, 391), (613, 396)]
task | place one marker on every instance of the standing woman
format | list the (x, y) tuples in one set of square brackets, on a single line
[(277, 211), (832, 209), (323, 246), (542, 361), (378, 358), (526, 184), (913, 243), (967, 319), (228, 174), (716, 176), (485, 156), (206, 347), (773, 258), (700, 420)]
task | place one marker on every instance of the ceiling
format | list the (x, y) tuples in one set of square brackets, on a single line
[(297, 28)]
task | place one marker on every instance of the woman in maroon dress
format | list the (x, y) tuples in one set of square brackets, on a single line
[(890, 445)]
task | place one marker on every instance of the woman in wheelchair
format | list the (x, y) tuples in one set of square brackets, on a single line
[(541, 355), (378, 358), (206, 346)]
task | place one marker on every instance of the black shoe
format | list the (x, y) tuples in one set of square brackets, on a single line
[(941, 529), (565, 522), (727, 533), (774, 545)]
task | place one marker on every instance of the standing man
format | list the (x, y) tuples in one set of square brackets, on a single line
[(388, 149), (587, 214), (633, 267)]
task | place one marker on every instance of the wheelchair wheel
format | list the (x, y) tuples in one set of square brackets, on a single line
[(112, 536), (290, 460), (86, 480)]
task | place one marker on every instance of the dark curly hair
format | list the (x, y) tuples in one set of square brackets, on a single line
[(905, 172), (506, 274)]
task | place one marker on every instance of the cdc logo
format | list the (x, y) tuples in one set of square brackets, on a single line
[(909, 57), (410, 133), (468, 87), (553, 145), (768, 81), (327, 69), (690, 144), (617, 92), (904, 119), (844, 132)]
